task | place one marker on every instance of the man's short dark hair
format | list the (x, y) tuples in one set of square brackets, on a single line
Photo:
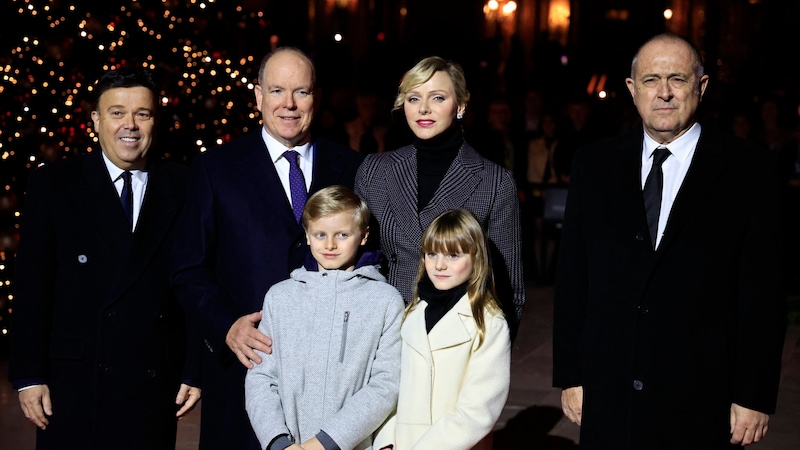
[(123, 78)]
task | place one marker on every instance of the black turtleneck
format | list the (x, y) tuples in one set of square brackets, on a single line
[(434, 157), (439, 302)]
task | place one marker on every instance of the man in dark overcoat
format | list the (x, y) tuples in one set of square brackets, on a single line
[(98, 345), (669, 310)]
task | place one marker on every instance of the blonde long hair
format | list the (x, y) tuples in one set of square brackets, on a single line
[(457, 231)]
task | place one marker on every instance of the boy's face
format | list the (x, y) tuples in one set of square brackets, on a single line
[(334, 241)]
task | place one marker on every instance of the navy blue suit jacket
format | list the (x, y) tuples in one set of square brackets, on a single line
[(239, 237)]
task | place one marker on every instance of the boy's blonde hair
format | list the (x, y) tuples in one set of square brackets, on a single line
[(333, 200), (458, 231)]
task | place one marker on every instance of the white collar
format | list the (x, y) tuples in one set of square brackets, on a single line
[(680, 148), (115, 171), (276, 148)]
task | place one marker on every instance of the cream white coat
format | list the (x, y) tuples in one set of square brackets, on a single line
[(451, 391)]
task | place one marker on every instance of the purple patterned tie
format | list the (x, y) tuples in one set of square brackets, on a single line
[(296, 183)]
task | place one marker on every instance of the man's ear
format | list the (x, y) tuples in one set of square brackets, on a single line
[(703, 85), (257, 92)]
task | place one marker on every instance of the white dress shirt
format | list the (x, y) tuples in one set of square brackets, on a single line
[(674, 169), (306, 161), (138, 185)]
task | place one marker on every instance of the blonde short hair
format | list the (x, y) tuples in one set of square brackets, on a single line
[(333, 200), (424, 70)]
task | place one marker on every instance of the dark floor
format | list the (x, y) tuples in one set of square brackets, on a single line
[(532, 416)]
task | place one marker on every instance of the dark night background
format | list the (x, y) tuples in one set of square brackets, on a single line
[(206, 55)]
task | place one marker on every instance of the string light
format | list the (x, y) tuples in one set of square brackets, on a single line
[(54, 53)]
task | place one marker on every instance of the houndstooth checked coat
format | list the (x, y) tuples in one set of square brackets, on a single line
[(387, 182)]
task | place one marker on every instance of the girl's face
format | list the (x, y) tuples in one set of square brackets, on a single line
[(448, 270), (431, 107)]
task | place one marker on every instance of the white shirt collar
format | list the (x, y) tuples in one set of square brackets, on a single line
[(115, 171), (276, 148), (680, 148)]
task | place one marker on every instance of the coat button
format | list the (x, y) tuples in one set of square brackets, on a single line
[(82, 259), (642, 309), (638, 385), (640, 236), (151, 373), (298, 244)]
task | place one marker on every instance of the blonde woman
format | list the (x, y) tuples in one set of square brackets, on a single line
[(407, 187)]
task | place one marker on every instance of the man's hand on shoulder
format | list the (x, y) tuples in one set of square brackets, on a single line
[(243, 337)]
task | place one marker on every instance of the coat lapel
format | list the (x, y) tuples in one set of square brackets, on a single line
[(403, 202), (706, 166), (450, 331), (414, 334), (457, 186), (257, 170), (628, 210), (328, 166), (98, 202), (630, 206), (160, 206)]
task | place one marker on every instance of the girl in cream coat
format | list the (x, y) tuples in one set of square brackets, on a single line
[(456, 350)]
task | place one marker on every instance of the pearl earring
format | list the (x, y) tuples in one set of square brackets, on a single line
[(459, 116)]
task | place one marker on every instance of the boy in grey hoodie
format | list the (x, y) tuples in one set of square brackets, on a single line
[(334, 371)]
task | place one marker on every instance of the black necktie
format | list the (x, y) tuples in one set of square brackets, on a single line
[(652, 191), (127, 196)]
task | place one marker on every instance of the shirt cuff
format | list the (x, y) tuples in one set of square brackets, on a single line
[(326, 441), (26, 383), (280, 442), (191, 382)]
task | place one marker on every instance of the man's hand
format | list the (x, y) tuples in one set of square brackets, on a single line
[(187, 397), (35, 403), (243, 337), (572, 403), (747, 426)]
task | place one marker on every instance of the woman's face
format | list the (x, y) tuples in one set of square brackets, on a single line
[(431, 107)]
